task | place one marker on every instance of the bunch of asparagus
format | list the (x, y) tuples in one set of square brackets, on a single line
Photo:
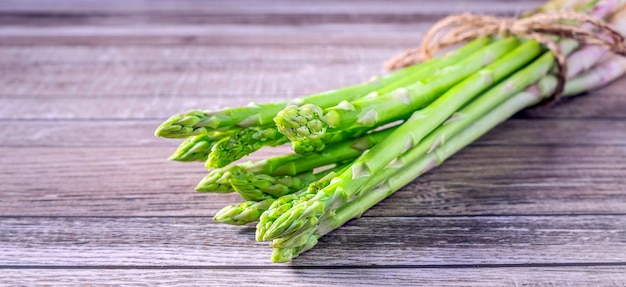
[(357, 145)]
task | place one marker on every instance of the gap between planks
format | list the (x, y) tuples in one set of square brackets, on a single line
[(295, 267)]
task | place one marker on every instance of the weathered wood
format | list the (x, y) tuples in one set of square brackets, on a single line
[(601, 104), (398, 241), (87, 196), (485, 277), (223, 22), (205, 79), (211, 79), (221, 7), (515, 179), (205, 36), (127, 133), (226, 55)]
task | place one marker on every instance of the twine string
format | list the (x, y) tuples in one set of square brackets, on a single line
[(540, 27)]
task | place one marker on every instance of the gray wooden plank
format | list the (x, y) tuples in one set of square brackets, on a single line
[(263, 7), (329, 34), (153, 99), (482, 179), (127, 133), (384, 241), (596, 105), (207, 80), (224, 54), (485, 277), (219, 34)]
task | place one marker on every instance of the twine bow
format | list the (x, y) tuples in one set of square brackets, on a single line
[(465, 27)]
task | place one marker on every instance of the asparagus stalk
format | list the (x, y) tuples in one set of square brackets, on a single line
[(251, 139), (242, 213), (290, 247), (250, 211), (217, 181), (284, 203), (588, 55), (313, 127), (405, 137), (582, 6), (337, 152), (197, 148), (241, 144), (294, 164), (598, 76), (198, 122), (428, 66), (258, 187)]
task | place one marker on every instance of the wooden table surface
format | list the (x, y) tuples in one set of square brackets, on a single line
[(88, 197)]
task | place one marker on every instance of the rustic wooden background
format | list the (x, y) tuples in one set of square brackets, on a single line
[(87, 197)]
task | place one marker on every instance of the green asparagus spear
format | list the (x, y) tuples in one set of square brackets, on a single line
[(198, 122), (198, 148), (217, 181), (312, 126), (345, 150), (241, 144), (242, 213), (255, 187), (284, 203), (250, 211), (293, 164), (598, 76)]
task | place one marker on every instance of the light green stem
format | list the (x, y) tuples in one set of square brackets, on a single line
[(314, 126), (197, 122)]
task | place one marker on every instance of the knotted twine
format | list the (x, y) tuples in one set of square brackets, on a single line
[(539, 27)]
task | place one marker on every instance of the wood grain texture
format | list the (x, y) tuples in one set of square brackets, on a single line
[(533, 179), (222, 22), (221, 7), (227, 55), (397, 241), (447, 277), (87, 197), (135, 133), (207, 81)]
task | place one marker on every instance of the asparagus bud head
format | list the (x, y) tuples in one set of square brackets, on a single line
[(242, 213), (216, 181), (190, 123), (304, 125)]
